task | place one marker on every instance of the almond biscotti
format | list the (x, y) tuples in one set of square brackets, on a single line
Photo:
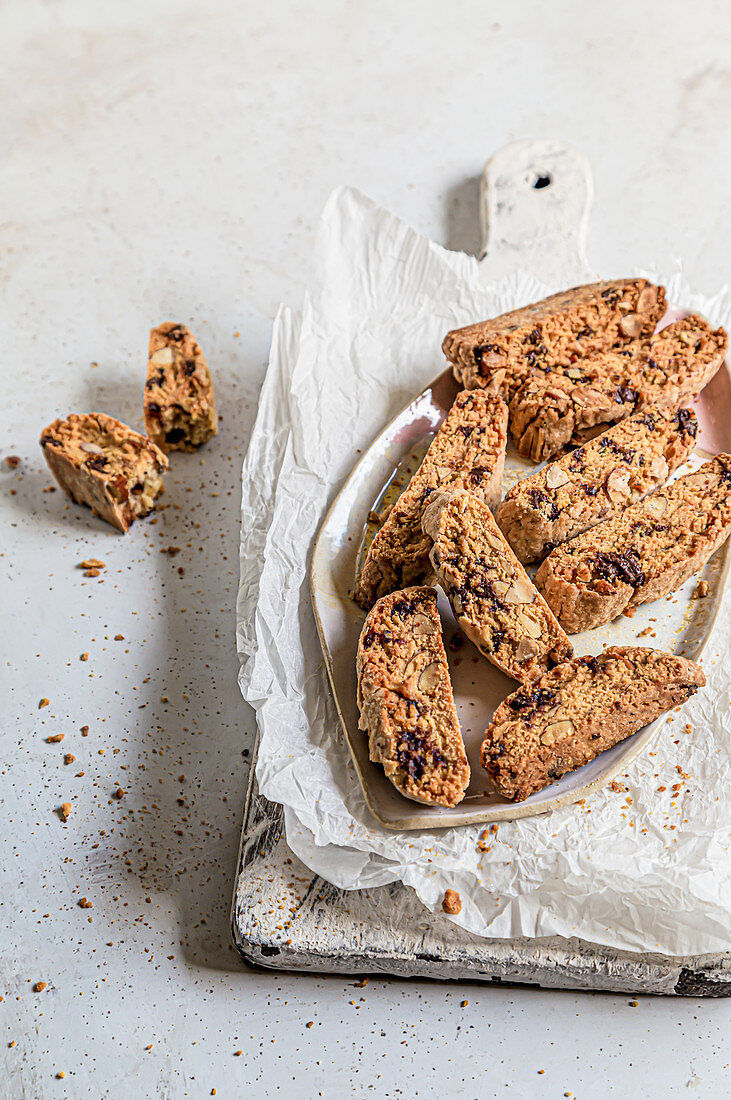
[(595, 481), (468, 452), (552, 334), (550, 411), (578, 710), (179, 402), (493, 599), (405, 699), (642, 553), (100, 462)]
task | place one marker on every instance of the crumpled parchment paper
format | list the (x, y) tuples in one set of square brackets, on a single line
[(634, 869)]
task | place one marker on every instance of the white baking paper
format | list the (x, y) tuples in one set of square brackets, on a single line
[(634, 869)]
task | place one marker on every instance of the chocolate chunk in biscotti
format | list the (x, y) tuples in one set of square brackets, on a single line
[(554, 333), (179, 402), (494, 600), (468, 452), (405, 699), (102, 463), (596, 481), (578, 710), (647, 551), (554, 410)]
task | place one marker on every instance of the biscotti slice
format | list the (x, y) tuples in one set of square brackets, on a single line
[(551, 411), (642, 553), (681, 360), (101, 462), (596, 481), (405, 699), (468, 452), (578, 710), (552, 334), (179, 402), (494, 600)]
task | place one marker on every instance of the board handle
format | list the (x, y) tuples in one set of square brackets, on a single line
[(534, 212)]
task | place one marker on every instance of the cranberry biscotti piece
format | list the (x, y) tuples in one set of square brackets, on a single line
[(596, 481), (468, 452), (494, 600), (552, 334), (550, 411), (179, 402), (100, 462), (578, 710), (644, 552), (405, 699)]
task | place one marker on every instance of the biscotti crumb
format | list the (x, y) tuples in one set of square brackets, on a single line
[(64, 811), (69, 758), (84, 731), (84, 903), (701, 590), (13, 461), (55, 738), (119, 793), (91, 563), (39, 987), (463, 1004), (43, 703), (84, 657), (452, 903), (309, 1023)]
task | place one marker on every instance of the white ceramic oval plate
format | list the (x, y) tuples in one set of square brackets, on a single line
[(679, 623)]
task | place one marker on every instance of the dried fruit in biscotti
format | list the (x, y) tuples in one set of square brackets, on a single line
[(647, 551), (578, 710), (468, 452), (596, 481), (102, 463), (494, 600), (554, 333), (179, 401), (405, 699)]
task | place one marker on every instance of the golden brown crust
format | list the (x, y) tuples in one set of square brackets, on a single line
[(554, 333), (179, 401), (405, 699), (578, 710), (647, 551), (467, 452), (100, 462), (494, 600), (596, 481)]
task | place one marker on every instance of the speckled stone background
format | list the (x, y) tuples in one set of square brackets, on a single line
[(165, 160)]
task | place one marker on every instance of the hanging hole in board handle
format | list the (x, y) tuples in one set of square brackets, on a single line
[(543, 179)]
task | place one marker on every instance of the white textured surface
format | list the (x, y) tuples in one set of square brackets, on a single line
[(166, 159)]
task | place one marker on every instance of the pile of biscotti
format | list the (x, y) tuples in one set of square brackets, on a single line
[(100, 462), (587, 379)]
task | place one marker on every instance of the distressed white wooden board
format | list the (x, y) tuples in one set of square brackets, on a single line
[(276, 920)]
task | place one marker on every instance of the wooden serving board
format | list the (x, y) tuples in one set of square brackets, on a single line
[(535, 206)]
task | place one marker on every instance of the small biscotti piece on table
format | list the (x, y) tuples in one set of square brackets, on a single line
[(595, 481), (494, 600), (468, 452), (642, 553), (179, 402), (554, 333), (101, 462), (405, 699), (578, 710), (550, 411)]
